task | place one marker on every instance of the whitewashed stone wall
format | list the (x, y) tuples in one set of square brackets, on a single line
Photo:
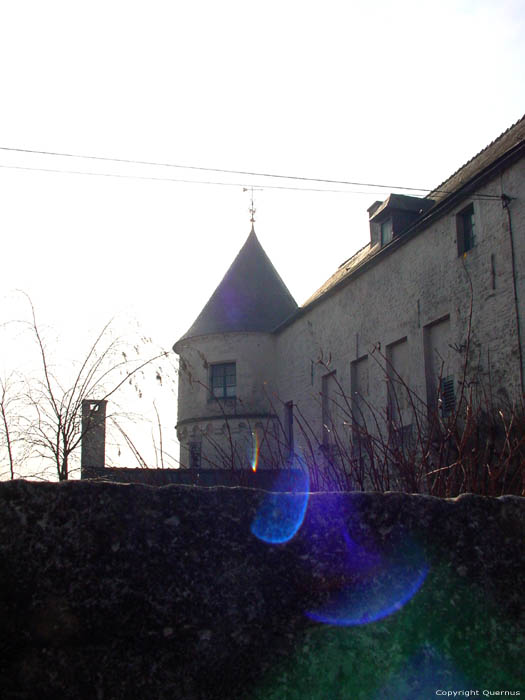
[(411, 305), (401, 296), (227, 428)]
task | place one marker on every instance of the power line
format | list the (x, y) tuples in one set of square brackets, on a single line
[(173, 179), (131, 161)]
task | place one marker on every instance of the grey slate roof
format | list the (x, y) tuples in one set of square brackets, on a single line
[(501, 145), (251, 296), (403, 202), (508, 140)]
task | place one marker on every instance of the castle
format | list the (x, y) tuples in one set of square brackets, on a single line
[(429, 313)]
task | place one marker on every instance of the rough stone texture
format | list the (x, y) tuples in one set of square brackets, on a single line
[(404, 295), (266, 479), (226, 426), (113, 591)]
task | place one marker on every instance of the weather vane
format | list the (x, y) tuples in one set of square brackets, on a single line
[(252, 209)]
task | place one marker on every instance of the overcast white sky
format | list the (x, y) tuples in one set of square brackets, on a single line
[(398, 93)]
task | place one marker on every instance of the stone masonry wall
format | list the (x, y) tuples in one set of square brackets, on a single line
[(112, 591), (421, 282), (221, 427)]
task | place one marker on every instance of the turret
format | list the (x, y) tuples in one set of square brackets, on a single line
[(225, 414)]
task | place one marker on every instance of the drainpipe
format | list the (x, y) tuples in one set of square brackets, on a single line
[(505, 199)]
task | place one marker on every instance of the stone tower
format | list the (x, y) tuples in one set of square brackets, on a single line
[(226, 417)]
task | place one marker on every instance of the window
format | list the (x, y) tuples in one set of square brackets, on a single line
[(195, 455), (398, 392), (386, 232), (437, 353), (223, 380), (447, 396), (466, 229)]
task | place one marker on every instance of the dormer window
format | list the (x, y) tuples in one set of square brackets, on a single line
[(393, 217), (223, 380), (386, 232)]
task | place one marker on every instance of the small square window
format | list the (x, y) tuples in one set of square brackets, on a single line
[(466, 230), (386, 232), (223, 380)]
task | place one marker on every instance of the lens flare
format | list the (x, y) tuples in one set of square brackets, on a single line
[(255, 448), (281, 514), (422, 672), (371, 600), (377, 591)]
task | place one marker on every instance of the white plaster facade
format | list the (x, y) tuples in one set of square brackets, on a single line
[(397, 311), (224, 429)]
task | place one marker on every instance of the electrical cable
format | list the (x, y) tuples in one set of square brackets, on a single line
[(173, 179), (130, 161)]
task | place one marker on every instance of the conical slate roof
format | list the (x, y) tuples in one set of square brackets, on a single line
[(251, 296)]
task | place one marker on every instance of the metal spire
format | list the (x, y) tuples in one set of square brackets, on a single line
[(252, 209)]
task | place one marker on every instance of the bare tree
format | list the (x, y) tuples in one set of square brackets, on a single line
[(53, 398), (12, 443)]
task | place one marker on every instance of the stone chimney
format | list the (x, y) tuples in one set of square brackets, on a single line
[(93, 453)]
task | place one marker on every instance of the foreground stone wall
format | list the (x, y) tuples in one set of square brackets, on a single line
[(112, 591)]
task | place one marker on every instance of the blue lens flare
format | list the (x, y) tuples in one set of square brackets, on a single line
[(372, 600), (358, 559), (378, 586), (281, 514), (420, 675)]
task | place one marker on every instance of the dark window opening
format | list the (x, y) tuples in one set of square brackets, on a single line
[(223, 381), (386, 232), (466, 230), (447, 396)]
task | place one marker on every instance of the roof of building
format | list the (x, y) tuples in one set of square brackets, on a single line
[(250, 297), (344, 270), (505, 142), (403, 202), (510, 138)]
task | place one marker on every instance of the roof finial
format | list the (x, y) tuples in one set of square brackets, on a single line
[(252, 209)]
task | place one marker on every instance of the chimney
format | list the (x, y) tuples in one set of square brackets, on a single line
[(93, 453), (373, 208), (375, 228)]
